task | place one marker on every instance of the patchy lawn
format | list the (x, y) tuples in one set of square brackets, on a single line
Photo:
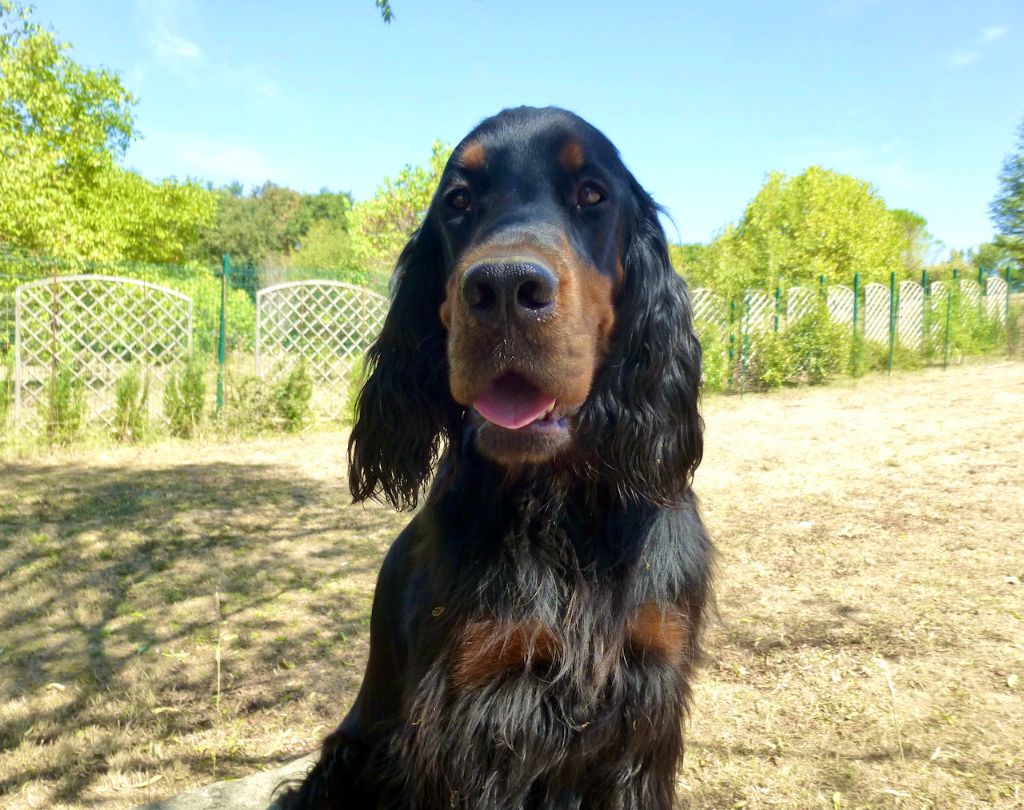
[(869, 650)]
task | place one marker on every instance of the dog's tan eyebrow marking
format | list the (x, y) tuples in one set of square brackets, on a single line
[(473, 156), (571, 155)]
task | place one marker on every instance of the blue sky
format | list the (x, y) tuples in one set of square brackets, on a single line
[(921, 98)]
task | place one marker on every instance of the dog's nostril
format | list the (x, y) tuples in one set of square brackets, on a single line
[(534, 294), (480, 295)]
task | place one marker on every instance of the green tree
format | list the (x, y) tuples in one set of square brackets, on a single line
[(817, 223), (717, 265), (992, 259), (1007, 209), (381, 226), (268, 225), (63, 129), (917, 242)]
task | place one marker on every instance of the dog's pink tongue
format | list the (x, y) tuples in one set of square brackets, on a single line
[(511, 402)]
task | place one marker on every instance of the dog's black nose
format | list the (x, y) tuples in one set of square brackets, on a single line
[(499, 292)]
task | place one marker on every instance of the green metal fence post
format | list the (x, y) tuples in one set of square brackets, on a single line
[(853, 327), (222, 337), (745, 341), (1007, 309), (925, 307), (982, 294), (778, 298), (892, 318), (732, 336), (949, 306)]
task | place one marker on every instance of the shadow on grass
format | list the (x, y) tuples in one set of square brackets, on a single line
[(120, 587)]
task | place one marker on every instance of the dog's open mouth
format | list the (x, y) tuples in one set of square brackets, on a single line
[(513, 402)]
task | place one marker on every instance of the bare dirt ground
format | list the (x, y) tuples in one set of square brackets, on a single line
[(180, 613)]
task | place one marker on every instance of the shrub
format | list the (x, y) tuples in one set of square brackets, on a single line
[(714, 356), (184, 399), (818, 347), (1015, 330), (63, 410), (131, 397), (278, 401), (770, 360), (290, 397), (811, 351), (6, 388)]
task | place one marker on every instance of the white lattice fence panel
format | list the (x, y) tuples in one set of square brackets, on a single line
[(876, 313), (708, 308), (936, 304), (327, 324), (758, 311), (910, 314), (970, 294), (98, 327), (995, 298), (839, 301), (799, 302)]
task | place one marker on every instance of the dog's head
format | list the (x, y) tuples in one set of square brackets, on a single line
[(536, 300)]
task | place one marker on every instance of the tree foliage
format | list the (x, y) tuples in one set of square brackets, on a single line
[(798, 228), (382, 225), (917, 242), (270, 225), (1007, 209), (385, 10), (63, 129)]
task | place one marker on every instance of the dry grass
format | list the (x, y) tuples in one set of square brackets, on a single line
[(869, 650)]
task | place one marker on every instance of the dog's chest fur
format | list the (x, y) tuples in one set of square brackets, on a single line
[(551, 649)]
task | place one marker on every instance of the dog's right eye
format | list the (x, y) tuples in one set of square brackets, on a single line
[(458, 199)]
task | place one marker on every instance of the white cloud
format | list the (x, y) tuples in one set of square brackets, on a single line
[(962, 58), (162, 23), (174, 48)]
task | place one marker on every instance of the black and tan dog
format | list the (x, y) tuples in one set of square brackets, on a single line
[(535, 626)]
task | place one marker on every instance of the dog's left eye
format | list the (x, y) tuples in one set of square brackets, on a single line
[(458, 199), (589, 195)]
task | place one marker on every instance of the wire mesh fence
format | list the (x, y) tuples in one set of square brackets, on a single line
[(267, 337)]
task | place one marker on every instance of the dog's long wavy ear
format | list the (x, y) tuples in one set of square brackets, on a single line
[(644, 408), (405, 410)]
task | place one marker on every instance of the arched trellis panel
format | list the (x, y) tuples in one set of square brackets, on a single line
[(876, 313), (996, 300), (799, 302), (328, 325), (910, 314), (89, 330)]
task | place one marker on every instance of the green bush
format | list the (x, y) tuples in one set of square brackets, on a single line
[(810, 351), (131, 397), (279, 401), (63, 410), (184, 399), (770, 361), (6, 388), (1015, 330), (818, 346), (714, 356), (290, 397)]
